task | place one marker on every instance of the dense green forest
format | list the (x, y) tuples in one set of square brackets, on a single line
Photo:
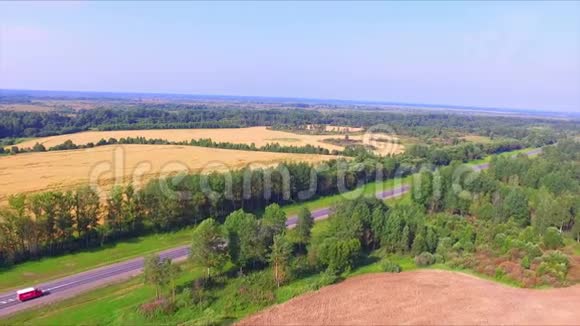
[(202, 142), (36, 124)]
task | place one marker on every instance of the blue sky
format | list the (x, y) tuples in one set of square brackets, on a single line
[(516, 54)]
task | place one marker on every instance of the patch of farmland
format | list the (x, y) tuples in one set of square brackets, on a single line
[(380, 143), (107, 165), (331, 128), (425, 297), (32, 107), (258, 135)]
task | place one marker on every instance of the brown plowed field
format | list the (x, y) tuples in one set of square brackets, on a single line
[(425, 297)]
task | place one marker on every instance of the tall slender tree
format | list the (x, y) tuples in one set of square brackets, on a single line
[(304, 226), (209, 246), (279, 258)]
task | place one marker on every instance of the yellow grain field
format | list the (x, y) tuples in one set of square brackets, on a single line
[(108, 165), (260, 136), (257, 135), (383, 144)]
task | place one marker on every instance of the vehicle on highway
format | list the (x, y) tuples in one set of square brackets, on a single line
[(29, 294)]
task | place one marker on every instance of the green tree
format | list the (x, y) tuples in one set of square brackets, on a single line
[(339, 255), (38, 148), (552, 238), (516, 206), (431, 240), (273, 222), (244, 239), (551, 211), (172, 270), (155, 273), (209, 246), (405, 239), (279, 258), (576, 229), (304, 226), (86, 208), (423, 189)]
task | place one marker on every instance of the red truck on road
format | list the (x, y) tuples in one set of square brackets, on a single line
[(28, 294)]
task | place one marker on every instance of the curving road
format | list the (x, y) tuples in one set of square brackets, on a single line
[(72, 285), (484, 166)]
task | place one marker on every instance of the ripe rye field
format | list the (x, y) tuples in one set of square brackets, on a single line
[(257, 135), (32, 172), (260, 136)]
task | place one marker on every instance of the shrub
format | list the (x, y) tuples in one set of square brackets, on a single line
[(554, 265), (326, 278), (464, 245), (424, 259), (390, 267), (257, 289), (499, 273), (526, 263), (529, 234), (533, 250), (499, 241), (339, 255), (157, 307), (552, 238), (439, 259), (198, 293), (444, 247), (301, 267)]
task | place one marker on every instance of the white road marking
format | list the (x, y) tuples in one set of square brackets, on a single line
[(56, 287), (10, 300), (3, 302)]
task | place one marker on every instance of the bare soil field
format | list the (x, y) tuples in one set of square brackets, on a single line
[(425, 297), (107, 165), (332, 128)]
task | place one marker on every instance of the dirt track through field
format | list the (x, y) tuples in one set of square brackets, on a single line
[(425, 297)]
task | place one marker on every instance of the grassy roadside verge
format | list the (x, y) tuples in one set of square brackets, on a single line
[(488, 158), (369, 190), (33, 272)]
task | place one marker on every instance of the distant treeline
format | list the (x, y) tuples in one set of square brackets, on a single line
[(38, 124), (203, 142)]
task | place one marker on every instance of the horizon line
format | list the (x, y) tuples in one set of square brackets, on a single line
[(306, 99)]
